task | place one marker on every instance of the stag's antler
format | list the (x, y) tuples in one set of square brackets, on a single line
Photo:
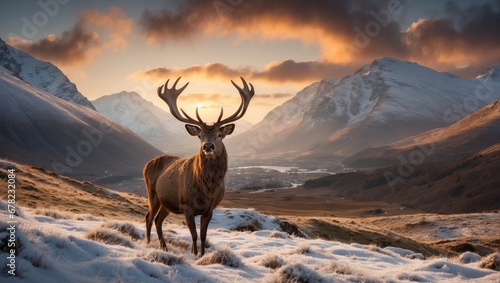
[(246, 95), (169, 95)]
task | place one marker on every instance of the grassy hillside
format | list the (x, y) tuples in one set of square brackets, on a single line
[(465, 185)]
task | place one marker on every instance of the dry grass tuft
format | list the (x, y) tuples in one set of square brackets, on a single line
[(297, 273), (179, 244), (340, 269), (279, 235), (303, 249), (163, 257), (272, 261), (126, 229), (222, 255), (53, 214), (109, 237), (491, 262)]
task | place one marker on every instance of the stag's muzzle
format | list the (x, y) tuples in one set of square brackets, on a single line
[(208, 148)]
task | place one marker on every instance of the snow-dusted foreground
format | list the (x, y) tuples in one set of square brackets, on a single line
[(63, 247)]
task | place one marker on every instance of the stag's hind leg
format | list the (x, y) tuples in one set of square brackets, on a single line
[(154, 207), (159, 222)]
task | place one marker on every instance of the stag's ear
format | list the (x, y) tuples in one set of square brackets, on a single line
[(227, 130), (193, 130)]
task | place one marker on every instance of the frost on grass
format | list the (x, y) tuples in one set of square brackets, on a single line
[(222, 255), (53, 214), (272, 261), (109, 237), (126, 229), (491, 262), (278, 235), (303, 249), (296, 273), (163, 257), (339, 268)]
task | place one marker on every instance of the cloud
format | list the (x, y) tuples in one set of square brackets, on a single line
[(210, 71), (468, 40), (72, 47), (291, 71), (330, 24), (94, 32), (288, 71), (347, 32), (115, 22)]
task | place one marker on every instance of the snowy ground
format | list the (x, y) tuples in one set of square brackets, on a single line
[(64, 247)]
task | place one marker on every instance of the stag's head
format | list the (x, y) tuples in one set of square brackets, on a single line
[(210, 135)]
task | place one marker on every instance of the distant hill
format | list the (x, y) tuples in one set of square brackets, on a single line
[(475, 132), (464, 185)]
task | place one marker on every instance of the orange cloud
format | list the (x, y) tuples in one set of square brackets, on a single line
[(329, 24), (94, 32), (288, 71), (466, 41), (438, 43), (115, 22)]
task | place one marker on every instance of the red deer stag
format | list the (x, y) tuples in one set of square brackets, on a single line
[(195, 185)]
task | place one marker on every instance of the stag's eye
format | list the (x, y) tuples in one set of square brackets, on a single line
[(219, 135)]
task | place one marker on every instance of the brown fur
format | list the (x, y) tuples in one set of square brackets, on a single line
[(191, 186)]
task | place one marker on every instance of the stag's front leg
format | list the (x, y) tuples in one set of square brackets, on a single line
[(192, 229), (205, 220)]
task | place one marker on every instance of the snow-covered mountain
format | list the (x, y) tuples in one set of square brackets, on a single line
[(40, 129), (154, 125), (42, 75), (475, 132), (381, 103)]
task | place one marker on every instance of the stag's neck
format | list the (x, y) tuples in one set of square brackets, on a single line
[(211, 170)]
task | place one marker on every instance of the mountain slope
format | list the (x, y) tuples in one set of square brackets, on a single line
[(145, 119), (40, 129), (381, 103), (42, 75), (475, 132), (464, 185)]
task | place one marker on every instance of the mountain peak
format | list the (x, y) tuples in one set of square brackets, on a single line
[(381, 103), (42, 75), (491, 73)]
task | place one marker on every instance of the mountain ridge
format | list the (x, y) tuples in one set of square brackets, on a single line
[(40, 129), (380, 103), (143, 118), (42, 75)]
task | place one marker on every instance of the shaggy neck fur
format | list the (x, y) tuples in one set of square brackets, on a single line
[(211, 171)]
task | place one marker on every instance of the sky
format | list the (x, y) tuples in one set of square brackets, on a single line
[(279, 46)]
